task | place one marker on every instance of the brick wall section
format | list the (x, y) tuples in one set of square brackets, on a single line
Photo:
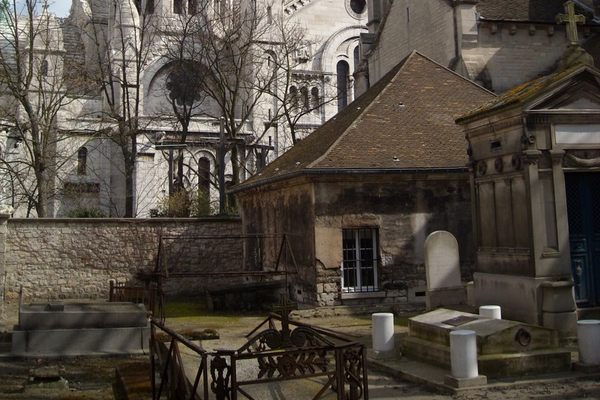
[(75, 258)]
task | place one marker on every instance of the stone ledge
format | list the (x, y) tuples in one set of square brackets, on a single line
[(363, 295), (460, 383)]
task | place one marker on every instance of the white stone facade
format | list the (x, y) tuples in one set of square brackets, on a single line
[(94, 177)]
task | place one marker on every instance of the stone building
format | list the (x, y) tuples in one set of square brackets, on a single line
[(359, 196), (93, 177), (497, 43), (535, 186)]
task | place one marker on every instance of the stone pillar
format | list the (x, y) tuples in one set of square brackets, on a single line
[(537, 227), (463, 360), (383, 332)]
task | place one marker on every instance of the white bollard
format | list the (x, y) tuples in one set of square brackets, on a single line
[(588, 339), (383, 331), (493, 312), (463, 354)]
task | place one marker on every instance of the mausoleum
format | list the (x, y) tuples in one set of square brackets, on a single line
[(535, 153)]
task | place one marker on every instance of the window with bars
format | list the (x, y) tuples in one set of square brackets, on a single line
[(359, 266)]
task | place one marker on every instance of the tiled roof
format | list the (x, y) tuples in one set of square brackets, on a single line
[(405, 121), (523, 93), (524, 10)]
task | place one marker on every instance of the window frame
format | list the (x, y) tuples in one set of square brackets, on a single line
[(359, 287)]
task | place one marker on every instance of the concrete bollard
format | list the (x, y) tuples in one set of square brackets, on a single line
[(463, 354), (493, 312), (383, 331), (588, 338)]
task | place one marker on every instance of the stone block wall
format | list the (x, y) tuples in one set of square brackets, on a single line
[(424, 26), (75, 258)]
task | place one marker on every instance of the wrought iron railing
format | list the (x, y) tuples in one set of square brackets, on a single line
[(278, 350)]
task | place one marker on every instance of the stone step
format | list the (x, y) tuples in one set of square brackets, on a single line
[(492, 365), (406, 309), (493, 335)]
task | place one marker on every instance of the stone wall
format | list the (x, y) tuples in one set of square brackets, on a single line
[(75, 258), (425, 26), (404, 209), (284, 209)]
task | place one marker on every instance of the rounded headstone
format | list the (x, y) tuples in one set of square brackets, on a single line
[(463, 354), (588, 339), (442, 262), (383, 331)]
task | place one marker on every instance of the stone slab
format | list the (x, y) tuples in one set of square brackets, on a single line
[(75, 342), (47, 316), (493, 335), (480, 380)]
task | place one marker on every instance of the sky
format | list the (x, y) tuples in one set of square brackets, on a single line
[(60, 7)]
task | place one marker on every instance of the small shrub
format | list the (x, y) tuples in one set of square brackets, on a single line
[(86, 212)]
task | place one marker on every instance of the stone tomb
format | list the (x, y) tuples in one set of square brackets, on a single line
[(68, 329), (505, 348), (442, 268)]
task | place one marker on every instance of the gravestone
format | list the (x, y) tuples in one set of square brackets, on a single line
[(442, 269)]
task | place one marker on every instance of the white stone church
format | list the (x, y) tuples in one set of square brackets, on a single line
[(349, 46), (93, 175)]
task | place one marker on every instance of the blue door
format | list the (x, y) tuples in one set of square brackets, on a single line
[(583, 204)]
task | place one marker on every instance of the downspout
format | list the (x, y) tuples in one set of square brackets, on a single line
[(457, 55)]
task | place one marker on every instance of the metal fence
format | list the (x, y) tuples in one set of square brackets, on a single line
[(277, 350)]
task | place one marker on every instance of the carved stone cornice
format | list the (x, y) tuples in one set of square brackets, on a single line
[(532, 157), (495, 126), (292, 6)]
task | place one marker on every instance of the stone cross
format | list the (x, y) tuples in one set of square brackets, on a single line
[(571, 20)]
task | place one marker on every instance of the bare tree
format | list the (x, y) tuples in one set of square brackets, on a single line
[(33, 93), (186, 77), (295, 93), (244, 58), (122, 52)]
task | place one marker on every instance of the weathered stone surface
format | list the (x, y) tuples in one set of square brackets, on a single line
[(54, 259), (442, 263)]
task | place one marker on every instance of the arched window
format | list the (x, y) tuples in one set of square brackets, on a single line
[(149, 6), (204, 174), (305, 102), (192, 7), (82, 161), (177, 6), (294, 97), (44, 68), (343, 73), (315, 99)]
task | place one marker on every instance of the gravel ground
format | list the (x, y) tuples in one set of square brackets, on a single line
[(92, 377)]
